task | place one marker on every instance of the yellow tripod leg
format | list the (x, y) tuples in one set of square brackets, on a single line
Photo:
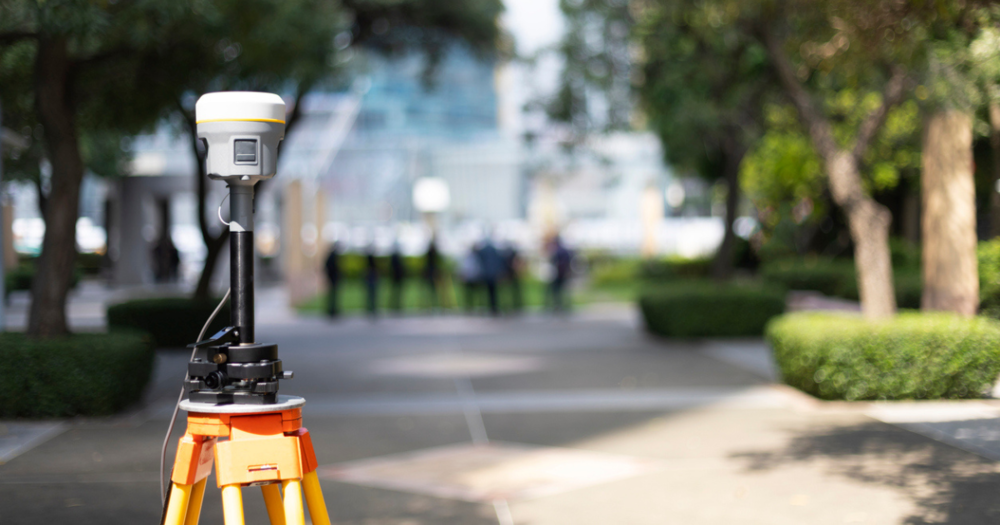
[(194, 503), (295, 514), (232, 505), (272, 499), (177, 507), (314, 499)]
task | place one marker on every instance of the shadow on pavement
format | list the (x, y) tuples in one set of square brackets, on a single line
[(946, 485)]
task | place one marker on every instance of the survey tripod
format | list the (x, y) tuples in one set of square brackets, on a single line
[(235, 418)]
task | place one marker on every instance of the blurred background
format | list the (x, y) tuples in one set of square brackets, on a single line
[(371, 123), (546, 261)]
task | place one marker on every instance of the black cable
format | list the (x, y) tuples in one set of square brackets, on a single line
[(177, 406)]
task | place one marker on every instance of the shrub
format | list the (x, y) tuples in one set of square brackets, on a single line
[(82, 374), (988, 256), (675, 268), (827, 276), (912, 356), (707, 309), (21, 277), (172, 322), (838, 278), (89, 263), (610, 272)]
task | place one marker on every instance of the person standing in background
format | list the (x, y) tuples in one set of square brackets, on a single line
[(470, 273), (397, 274), (431, 272), (371, 281), (332, 268), (562, 260), (512, 275), (491, 269)]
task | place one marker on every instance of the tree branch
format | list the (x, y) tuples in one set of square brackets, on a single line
[(200, 183), (891, 96), (818, 126)]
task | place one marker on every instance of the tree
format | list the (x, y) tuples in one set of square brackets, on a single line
[(961, 69), (704, 87), (83, 66), (842, 44)]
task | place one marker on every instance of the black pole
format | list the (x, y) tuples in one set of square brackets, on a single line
[(241, 259), (241, 283)]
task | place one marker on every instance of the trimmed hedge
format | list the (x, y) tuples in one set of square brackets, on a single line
[(708, 309), (911, 356), (21, 277), (827, 276), (81, 374), (172, 321), (610, 271)]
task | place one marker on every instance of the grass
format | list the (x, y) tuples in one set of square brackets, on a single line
[(415, 298)]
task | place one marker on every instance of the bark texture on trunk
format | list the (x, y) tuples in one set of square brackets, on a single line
[(47, 317), (950, 271), (994, 113), (722, 265), (868, 220)]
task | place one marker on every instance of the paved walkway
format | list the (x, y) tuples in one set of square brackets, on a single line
[(539, 421)]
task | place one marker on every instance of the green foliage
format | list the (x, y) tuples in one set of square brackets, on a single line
[(911, 356), (171, 322), (22, 277), (831, 277), (77, 375), (703, 84), (707, 309), (988, 257), (782, 166), (612, 271)]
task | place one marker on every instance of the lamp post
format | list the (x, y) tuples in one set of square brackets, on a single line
[(431, 196)]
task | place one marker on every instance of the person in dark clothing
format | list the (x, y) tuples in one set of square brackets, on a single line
[(431, 272), (561, 260), (470, 273), (512, 276), (371, 282), (332, 268), (397, 274), (490, 270), (166, 261)]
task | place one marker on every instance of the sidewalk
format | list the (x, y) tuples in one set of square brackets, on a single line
[(539, 421)]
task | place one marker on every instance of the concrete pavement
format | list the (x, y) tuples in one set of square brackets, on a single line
[(579, 420)]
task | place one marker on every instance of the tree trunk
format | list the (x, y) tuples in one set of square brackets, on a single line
[(994, 189), (722, 265), (950, 272), (47, 317), (867, 220)]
